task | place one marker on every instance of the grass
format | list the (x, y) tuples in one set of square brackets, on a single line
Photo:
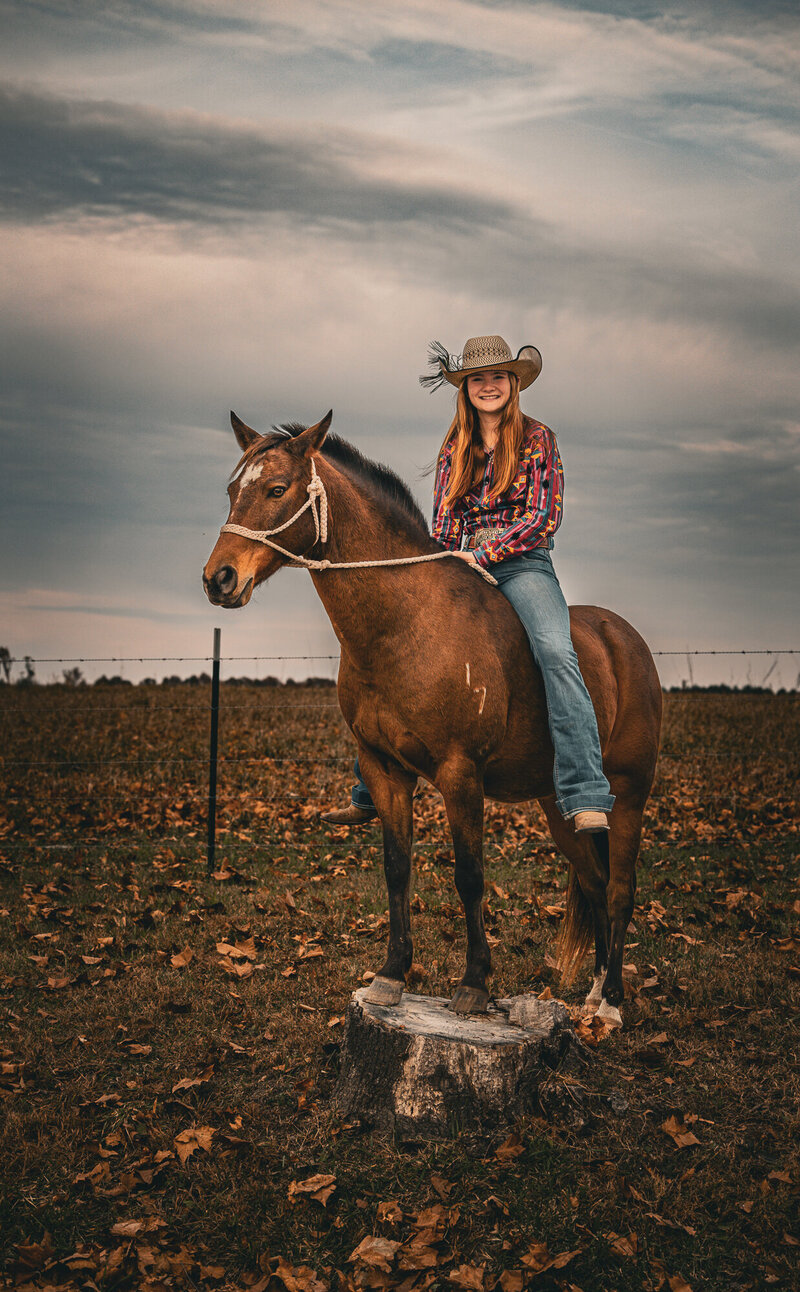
[(125, 1027)]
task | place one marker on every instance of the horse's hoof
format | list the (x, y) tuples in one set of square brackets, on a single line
[(384, 991), (596, 994), (469, 1000), (609, 1014)]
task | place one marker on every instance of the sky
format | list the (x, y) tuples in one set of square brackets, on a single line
[(274, 207)]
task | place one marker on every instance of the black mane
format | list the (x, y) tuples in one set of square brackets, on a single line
[(380, 479)]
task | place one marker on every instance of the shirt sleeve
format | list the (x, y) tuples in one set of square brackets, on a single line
[(448, 522), (541, 516)]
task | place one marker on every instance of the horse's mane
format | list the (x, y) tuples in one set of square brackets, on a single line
[(382, 483)]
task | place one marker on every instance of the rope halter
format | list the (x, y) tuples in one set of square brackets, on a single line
[(317, 503)]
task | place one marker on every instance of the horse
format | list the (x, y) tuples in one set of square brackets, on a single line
[(437, 680)]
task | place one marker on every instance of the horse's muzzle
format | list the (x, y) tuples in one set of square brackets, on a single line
[(222, 588)]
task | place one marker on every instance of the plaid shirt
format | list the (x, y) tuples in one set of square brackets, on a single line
[(529, 513)]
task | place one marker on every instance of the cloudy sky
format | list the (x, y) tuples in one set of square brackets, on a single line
[(274, 205)]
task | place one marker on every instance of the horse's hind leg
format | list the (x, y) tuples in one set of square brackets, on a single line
[(463, 798), (392, 790), (587, 909), (626, 833)]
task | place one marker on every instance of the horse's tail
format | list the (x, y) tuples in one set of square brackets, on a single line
[(577, 932)]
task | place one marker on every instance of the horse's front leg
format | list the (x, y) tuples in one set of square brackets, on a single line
[(392, 791), (463, 796)]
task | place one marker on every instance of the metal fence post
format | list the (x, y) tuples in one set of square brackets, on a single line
[(212, 761)]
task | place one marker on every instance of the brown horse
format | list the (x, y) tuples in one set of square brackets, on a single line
[(437, 680)]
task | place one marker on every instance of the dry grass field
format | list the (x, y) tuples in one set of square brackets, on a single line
[(171, 1039)]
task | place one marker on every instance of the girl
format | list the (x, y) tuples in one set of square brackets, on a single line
[(498, 503)]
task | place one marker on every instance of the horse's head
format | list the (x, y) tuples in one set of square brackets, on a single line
[(270, 486)]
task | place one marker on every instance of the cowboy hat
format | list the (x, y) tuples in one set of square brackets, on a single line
[(481, 353)]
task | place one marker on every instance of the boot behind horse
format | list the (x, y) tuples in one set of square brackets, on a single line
[(437, 680)]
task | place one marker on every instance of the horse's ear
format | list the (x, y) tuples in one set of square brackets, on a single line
[(245, 435), (312, 440)]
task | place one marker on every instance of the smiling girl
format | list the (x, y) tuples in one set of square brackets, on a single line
[(498, 502)]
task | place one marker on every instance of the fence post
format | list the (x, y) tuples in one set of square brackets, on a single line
[(212, 761)]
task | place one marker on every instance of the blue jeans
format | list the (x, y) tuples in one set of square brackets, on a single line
[(530, 584), (359, 794), (529, 581)]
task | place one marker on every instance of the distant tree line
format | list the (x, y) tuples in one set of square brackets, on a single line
[(74, 677)]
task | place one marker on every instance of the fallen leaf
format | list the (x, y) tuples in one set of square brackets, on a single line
[(622, 1244), (677, 1283), (469, 1277), (509, 1149), (441, 1186), (679, 1132), (299, 1278), (418, 1254), (512, 1280), (189, 1141), (33, 1255), (389, 1212), (563, 1258), (182, 958), (376, 1252), (318, 1187), (537, 1257), (127, 1228)]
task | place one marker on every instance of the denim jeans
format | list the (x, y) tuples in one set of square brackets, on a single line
[(530, 584), (359, 794), (529, 581)]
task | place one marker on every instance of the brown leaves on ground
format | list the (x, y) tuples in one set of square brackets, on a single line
[(537, 1259), (511, 1148), (141, 997), (471, 1278), (295, 1279), (189, 1141), (375, 1252), (319, 1188), (677, 1129)]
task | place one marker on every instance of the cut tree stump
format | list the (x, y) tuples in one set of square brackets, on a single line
[(419, 1069)]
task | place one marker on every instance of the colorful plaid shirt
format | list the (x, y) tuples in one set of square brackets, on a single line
[(529, 513)]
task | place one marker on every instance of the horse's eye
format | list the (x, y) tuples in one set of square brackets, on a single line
[(278, 491)]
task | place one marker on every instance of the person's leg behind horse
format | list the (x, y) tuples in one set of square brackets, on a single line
[(360, 808), (530, 584)]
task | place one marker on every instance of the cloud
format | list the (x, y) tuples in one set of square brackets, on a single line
[(83, 158)]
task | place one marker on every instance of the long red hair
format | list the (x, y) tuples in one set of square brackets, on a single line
[(468, 460)]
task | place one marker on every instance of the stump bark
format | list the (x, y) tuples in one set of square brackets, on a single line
[(418, 1069)]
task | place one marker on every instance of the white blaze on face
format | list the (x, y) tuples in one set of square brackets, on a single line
[(250, 473)]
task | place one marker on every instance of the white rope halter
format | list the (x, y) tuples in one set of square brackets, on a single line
[(317, 503)]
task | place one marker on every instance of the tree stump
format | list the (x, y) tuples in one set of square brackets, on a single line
[(418, 1069)]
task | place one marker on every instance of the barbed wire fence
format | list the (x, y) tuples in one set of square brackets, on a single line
[(184, 753)]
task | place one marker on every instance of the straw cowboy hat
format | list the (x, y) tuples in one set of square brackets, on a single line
[(481, 353)]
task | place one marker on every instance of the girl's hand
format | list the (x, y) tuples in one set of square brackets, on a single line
[(468, 557)]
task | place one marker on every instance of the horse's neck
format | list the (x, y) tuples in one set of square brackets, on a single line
[(363, 605)]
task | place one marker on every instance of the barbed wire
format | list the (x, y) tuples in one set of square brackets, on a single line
[(155, 708), (155, 659), (234, 659), (171, 762)]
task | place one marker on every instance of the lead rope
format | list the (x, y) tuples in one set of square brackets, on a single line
[(317, 501)]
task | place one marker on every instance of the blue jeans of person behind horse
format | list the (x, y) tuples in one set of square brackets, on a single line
[(530, 584)]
